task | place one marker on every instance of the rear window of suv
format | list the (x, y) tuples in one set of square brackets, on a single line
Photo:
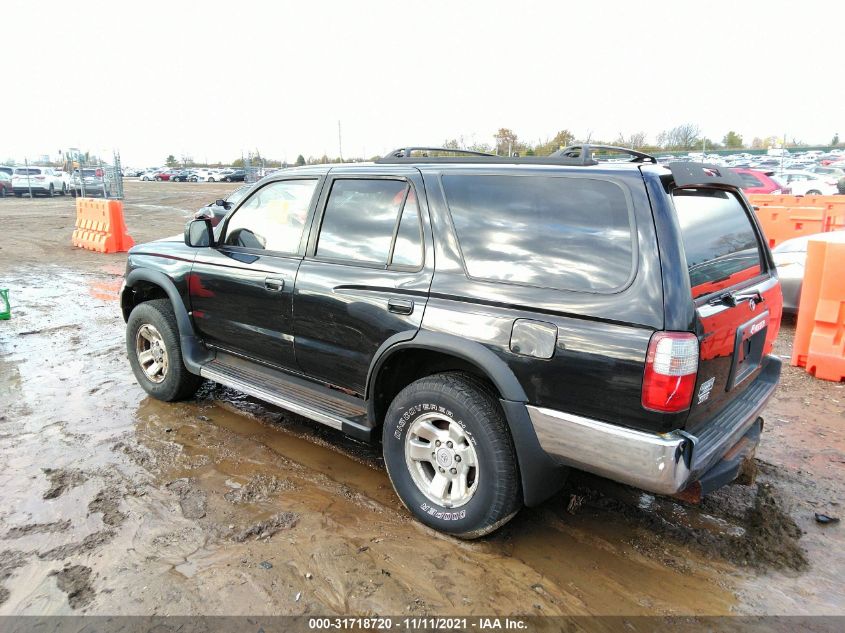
[(23, 171), (551, 232), (719, 239)]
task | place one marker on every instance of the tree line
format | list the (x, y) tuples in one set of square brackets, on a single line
[(505, 142)]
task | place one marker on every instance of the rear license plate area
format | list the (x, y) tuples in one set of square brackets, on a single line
[(748, 349)]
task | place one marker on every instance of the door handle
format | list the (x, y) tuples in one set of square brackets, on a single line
[(400, 306), (274, 284)]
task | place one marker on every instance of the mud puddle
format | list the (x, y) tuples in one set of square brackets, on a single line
[(116, 503)]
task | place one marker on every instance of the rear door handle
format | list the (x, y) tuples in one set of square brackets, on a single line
[(400, 306), (274, 284)]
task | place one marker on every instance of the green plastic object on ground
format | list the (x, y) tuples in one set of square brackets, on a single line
[(5, 308)]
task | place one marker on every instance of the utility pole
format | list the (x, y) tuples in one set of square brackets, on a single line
[(339, 140)]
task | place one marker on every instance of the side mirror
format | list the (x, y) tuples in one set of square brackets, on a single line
[(220, 203), (199, 233)]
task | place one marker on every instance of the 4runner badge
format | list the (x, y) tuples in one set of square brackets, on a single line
[(705, 389)]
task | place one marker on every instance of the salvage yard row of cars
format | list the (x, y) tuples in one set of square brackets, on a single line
[(227, 174)]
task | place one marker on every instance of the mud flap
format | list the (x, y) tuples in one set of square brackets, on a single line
[(736, 466)]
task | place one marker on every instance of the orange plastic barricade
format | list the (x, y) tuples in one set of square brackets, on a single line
[(100, 226), (784, 217), (819, 344)]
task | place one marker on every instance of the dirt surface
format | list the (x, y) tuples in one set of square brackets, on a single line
[(115, 503)]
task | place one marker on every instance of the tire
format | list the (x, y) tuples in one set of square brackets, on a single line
[(813, 192), (174, 381), (18, 195), (227, 179), (64, 190), (210, 179), (50, 192), (459, 407), (158, 179)]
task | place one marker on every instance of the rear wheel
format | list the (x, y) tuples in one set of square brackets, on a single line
[(152, 342), (227, 179), (814, 192), (64, 190), (450, 456), (51, 192)]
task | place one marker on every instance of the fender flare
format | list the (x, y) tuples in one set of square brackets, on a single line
[(471, 351), (194, 353), (540, 475)]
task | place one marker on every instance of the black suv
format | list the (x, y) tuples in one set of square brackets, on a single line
[(492, 320)]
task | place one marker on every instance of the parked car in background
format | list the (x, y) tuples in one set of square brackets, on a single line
[(7, 169), (150, 174), (755, 181), (182, 175), (92, 182), (790, 258), (807, 183), (166, 174), (5, 184), (824, 172), (236, 175), (45, 181), (219, 208), (200, 175), (219, 175)]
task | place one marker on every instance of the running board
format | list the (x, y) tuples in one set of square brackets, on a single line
[(311, 400)]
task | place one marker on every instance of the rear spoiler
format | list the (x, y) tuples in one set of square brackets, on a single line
[(703, 175)]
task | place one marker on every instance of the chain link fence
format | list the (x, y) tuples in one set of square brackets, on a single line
[(97, 179)]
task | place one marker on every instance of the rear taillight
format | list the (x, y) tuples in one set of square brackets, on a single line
[(671, 366)]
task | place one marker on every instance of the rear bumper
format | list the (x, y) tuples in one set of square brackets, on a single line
[(664, 463)]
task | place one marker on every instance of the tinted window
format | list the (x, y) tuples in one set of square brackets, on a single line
[(750, 180), (566, 233), (22, 171), (360, 218), (408, 246), (273, 217), (719, 240)]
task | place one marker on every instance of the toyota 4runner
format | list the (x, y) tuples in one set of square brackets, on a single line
[(492, 320)]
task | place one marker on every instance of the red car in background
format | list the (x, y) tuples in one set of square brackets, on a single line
[(755, 181), (166, 174)]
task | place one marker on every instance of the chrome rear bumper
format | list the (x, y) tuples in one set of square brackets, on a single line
[(664, 463)]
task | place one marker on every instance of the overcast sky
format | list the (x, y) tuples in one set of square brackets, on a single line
[(215, 79)]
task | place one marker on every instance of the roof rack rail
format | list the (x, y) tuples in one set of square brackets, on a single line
[(585, 153), (405, 152)]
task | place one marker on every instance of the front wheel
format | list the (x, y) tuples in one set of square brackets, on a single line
[(450, 456), (152, 342), (814, 192), (64, 190)]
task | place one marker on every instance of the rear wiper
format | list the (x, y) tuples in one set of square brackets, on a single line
[(733, 298)]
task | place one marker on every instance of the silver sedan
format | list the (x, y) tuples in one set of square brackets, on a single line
[(790, 257)]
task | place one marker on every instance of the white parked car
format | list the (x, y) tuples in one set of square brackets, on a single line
[(40, 180), (807, 183), (219, 175), (201, 175), (150, 174)]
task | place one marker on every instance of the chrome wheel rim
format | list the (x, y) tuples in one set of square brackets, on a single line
[(442, 460), (151, 353)]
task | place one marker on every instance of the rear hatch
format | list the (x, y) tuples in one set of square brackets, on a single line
[(736, 293), (24, 175)]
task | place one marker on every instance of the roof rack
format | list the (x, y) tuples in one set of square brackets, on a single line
[(585, 153), (572, 155), (405, 152)]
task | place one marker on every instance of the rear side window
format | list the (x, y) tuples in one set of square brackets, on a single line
[(551, 232), (719, 239), (360, 219), (750, 180)]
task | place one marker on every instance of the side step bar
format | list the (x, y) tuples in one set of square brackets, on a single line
[(316, 402)]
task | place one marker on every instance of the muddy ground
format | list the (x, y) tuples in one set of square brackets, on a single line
[(114, 503)]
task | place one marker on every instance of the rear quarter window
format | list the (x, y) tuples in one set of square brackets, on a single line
[(721, 245), (565, 233)]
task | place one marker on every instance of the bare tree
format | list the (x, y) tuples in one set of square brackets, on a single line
[(684, 136)]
